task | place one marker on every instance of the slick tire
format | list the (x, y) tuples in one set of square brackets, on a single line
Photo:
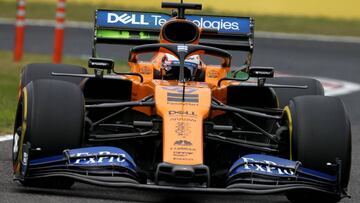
[(49, 119), (285, 94), (37, 71), (321, 133)]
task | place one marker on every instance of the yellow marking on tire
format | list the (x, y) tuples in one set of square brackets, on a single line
[(23, 128), (288, 113)]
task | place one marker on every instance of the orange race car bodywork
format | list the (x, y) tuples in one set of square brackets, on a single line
[(182, 117)]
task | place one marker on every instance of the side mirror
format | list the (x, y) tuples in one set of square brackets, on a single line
[(101, 63), (241, 75), (261, 72)]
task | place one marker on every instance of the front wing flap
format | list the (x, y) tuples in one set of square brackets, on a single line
[(113, 167)]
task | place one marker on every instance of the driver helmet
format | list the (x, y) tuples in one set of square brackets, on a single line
[(171, 66)]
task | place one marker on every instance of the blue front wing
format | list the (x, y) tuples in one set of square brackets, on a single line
[(110, 166)]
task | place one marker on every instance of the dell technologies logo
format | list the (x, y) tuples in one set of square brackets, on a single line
[(126, 18), (159, 20), (216, 24)]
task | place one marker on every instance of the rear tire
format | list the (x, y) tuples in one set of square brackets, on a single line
[(50, 117), (321, 132), (285, 94)]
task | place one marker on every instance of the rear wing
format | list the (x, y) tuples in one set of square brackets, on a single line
[(134, 27)]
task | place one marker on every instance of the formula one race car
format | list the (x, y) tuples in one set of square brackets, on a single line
[(177, 121)]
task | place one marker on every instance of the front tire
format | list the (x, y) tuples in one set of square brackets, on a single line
[(321, 133), (50, 117)]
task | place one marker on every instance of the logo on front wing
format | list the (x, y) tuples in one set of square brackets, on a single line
[(265, 166), (86, 159)]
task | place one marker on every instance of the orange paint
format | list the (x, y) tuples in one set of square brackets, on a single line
[(182, 114), (182, 120)]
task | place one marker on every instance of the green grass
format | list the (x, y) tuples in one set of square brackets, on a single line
[(289, 24), (307, 25), (10, 74), (8, 92)]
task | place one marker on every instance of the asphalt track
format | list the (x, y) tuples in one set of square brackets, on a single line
[(336, 60)]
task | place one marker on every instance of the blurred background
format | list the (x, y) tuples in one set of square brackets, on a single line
[(331, 17)]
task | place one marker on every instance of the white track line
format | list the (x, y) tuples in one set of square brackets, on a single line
[(332, 87), (4, 138), (258, 34), (307, 37)]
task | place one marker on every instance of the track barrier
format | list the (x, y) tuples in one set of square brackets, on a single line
[(19, 30), (59, 31)]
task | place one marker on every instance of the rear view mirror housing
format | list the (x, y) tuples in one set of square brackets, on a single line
[(261, 72), (101, 63)]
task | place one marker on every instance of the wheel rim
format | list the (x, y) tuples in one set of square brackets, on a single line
[(16, 144), (19, 133), (290, 125)]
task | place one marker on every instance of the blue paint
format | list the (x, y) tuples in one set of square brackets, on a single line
[(153, 21), (90, 157), (276, 167)]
